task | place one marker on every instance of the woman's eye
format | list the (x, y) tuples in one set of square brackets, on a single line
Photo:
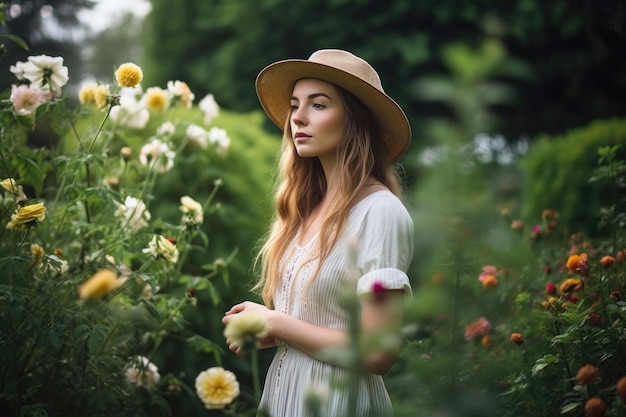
[(318, 106)]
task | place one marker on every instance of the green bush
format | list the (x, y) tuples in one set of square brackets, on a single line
[(558, 172)]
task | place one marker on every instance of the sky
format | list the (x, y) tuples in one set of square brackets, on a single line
[(105, 11)]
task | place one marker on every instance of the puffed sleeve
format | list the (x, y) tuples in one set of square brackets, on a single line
[(385, 246)]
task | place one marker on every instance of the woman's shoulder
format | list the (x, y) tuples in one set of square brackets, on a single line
[(380, 205)]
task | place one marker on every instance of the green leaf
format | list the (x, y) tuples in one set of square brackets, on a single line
[(154, 312), (17, 40), (30, 173)]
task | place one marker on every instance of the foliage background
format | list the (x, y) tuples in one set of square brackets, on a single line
[(541, 82)]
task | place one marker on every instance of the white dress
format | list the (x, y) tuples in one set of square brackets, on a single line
[(375, 246)]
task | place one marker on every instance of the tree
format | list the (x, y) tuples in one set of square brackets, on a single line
[(573, 51)]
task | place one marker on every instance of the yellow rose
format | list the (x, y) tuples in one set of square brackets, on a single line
[(27, 214), (128, 75), (100, 284)]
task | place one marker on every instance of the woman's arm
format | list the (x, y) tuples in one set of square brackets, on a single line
[(379, 316)]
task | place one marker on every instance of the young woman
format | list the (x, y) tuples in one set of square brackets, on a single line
[(340, 227)]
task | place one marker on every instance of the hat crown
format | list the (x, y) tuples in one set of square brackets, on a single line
[(349, 63)]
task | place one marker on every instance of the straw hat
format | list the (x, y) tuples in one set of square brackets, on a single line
[(274, 86)]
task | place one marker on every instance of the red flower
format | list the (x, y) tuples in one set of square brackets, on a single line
[(594, 318), (550, 288)]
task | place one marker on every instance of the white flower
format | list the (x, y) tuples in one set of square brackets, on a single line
[(220, 138), (55, 264), (245, 330), (217, 387), (142, 372), (18, 70), (13, 191), (181, 93), (130, 113), (197, 135), (161, 246), (192, 211), (209, 107), (133, 212), (157, 154), (46, 73), (166, 129)]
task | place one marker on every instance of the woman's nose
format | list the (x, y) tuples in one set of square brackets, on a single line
[(298, 116)]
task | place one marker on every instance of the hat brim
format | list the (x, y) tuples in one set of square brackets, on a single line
[(274, 86)]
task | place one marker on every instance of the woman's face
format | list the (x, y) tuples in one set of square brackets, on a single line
[(317, 119)]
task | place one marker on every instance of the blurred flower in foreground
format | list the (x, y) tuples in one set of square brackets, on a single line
[(142, 372), (620, 387), (192, 211), (478, 328), (128, 75), (37, 252), (46, 73), (133, 212), (181, 93), (378, 289), (161, 246), (517, 225), (244, 330), (315, 397), (157, 154), (217, 387), (100, 284), (209, 108)]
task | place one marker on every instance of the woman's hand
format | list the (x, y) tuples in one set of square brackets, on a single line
[(258, 309)]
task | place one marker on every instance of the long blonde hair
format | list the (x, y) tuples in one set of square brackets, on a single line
[(302, 186)]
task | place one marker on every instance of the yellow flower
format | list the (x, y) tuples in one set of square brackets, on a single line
[(12, 189), (156, 99), (128, 75), (38, 253), (101, 96), (217, 387), (244, 330), (28, 214), (100, 284), (87, 93)]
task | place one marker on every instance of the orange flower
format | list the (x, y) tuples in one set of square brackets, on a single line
[(619, 257), (517, 338), (100, 284), (587, 374), (487, 341), (572, 262), (607, 261), (620, 387), (570, 284), (490, 281), (595, 407)]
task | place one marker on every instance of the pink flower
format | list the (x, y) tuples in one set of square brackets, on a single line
[(487, 270), (378, 289), (26, 99), (478, 328), (550, 288)]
